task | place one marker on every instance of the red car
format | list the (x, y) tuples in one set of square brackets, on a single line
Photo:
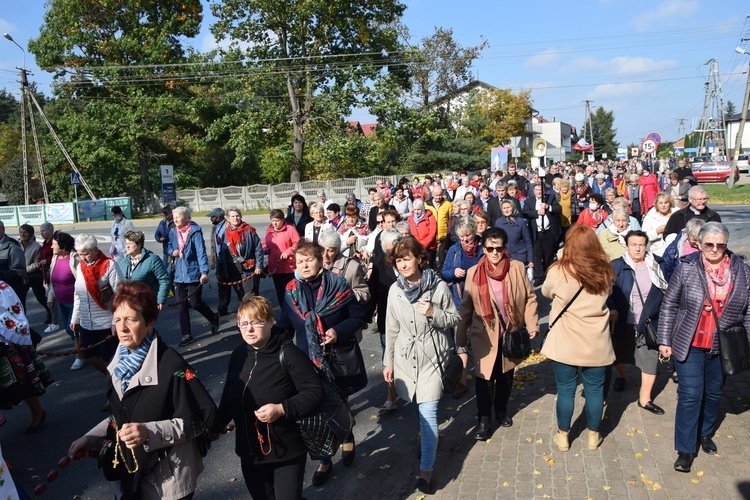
[(714, 171)]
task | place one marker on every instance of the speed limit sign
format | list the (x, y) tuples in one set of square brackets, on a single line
[(648, 146)]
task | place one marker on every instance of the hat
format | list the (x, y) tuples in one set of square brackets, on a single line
[(579, 177), (599, 176), (512, 165), (216, 212)]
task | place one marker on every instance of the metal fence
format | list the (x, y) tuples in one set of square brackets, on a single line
[(266, 197)]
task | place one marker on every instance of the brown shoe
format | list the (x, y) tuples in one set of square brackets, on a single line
[(459, 391)]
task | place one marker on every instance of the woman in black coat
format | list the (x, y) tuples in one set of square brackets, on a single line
[(519, 245), (299, 216), (322, 310), (264, 398)]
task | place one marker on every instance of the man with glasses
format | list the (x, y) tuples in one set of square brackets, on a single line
[(697, 209)]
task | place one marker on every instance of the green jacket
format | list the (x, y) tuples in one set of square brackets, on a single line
[(150, 269)]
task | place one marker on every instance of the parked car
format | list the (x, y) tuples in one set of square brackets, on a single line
[(742, 163), (714, 171)]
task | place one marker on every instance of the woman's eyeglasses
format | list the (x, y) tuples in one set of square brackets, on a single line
[(493, 249), (718, 246), (255, 324)]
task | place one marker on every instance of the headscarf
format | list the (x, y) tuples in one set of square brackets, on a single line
[(485, 271), (620, 235), (413, 291), (330, 294), (91, 275), (130, 362)]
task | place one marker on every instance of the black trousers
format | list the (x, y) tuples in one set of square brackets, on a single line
[(36, 283), (225, 292), (279, 282), (271, 481), (183, 290), (545, 248), (494, 392)]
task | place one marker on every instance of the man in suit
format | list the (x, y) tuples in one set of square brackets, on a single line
[(489, 204), (543, 211)]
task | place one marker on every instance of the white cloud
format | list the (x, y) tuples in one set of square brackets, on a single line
[(667, 11), (7, 27), (615, 91), (624, 66), (545, 58)]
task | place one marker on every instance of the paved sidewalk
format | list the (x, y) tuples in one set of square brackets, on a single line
[(635, 461)]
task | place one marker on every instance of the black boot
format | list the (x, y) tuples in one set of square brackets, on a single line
[(482, 431)]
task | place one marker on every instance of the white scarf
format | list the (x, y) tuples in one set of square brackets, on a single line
[(620, 236), (654, 271)]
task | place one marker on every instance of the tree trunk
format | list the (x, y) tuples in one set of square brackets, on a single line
[(299, 148), (143, 164)]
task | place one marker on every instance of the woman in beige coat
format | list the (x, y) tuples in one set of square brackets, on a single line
[(580, 338), (495, 285), (420, 310)]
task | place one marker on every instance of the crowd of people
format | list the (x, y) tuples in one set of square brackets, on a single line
[(636, 266)]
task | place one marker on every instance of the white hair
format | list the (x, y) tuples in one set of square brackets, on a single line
[(183, 211), (86, 243), (329, 239), (418, 204), (388, 238)]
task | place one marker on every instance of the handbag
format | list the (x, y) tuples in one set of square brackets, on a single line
[(517, 343), (105, 293), (650, 333), (450, 375), (734, 347), (324, 428), (544, 338), (344, 360)]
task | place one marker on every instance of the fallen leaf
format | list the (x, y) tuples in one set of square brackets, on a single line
[(695, 480), (372, 355), (730, 436), (645, 449), (373, 417), (657, 486), (385, 466), (631, 481), (539, 441), (546, 496), (506, 484), (699, 473), (539, 486), (450, 408), (529, 440), (536, 472), (615, 459), (232, 479), (535, 411), (638, 455), (577, 455), (420, 497), (569, 478), (657, 435), (607, 488), (469, 377)]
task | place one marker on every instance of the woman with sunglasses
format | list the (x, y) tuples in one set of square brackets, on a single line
[(264, 398), (497, 298), (707, 285)]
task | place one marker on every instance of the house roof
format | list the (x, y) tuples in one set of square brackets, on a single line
[(366, 129), (735, 117), (474, 84), (679, 144)]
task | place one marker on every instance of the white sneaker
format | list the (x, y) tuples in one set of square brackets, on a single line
[(77, 364), (51, 328)]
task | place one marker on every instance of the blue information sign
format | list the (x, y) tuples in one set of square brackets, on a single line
[(168, 193), (75, 179)]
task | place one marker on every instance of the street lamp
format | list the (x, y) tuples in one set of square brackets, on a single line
[(8, 37), (741, 129)]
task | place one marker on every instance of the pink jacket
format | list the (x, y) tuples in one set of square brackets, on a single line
[(278, 243), (426, 231)]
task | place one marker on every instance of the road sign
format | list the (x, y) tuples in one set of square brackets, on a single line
[(648, 146), (75, 179), (654, 137), (167, 174)]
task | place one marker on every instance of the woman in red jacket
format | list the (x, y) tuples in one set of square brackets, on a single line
[(594, 214), (649, 189), (280, 242), (424, 228)]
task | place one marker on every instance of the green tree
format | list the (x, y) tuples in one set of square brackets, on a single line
[(602, 125), (505, 114), (730, 109), (114, 53), (313, 45)]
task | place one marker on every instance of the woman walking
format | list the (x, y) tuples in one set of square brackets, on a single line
[(579, 282)]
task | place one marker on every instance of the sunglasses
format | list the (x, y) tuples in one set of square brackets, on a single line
[(379, 221), (718, 246), (493, 249)]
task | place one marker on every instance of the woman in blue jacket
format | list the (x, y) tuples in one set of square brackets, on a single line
[(187, 247), (519, 244), (140, 264), (462, 255)]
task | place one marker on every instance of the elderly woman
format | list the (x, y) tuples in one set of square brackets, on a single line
[(96, 283), (461, 256), (581, 281), (622, 204), (519, 244), (708, 291), (655, 221), (567, 201), (300, 214), (612, 239), (318, 224), (280, 241), (264, 398), (349, 268), (34, 275), (634, 303), (141, 264), (382, 277), (325, 315), (188, 249), (685, 243), (154, 440), (609, 196), (677, 190), (62, 281), (482, 220), (23, 375), (594, 214), (498, 298), (420, 310), (424, 228), (242, 260), (354, 233)]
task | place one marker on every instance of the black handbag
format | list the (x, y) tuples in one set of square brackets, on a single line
[(649, 332), (326, 427), (450, 375), (517, 343), (344, 360), (734, 347)]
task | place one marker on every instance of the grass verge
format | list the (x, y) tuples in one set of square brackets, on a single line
[(720, 194)]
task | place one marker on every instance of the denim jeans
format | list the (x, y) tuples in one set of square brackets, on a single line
[(66, 314), (699, 390), (566, 377), (428, 426)]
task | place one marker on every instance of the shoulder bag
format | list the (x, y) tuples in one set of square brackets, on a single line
[(560, 315), (734, 347), (344, 360), (326, 427), (516, 343), (649, 332), (451, 374)]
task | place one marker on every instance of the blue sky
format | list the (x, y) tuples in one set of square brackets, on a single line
[(643, 60)]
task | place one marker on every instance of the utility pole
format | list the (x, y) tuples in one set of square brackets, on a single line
[(741, 129), (590, 126)]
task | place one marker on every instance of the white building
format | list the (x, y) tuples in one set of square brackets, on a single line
[(733, 126), (559, 136)]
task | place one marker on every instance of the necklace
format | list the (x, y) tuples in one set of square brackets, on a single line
[(118, 451), (262, 440)]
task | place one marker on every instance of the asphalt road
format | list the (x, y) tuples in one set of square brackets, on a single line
[(386, 444)]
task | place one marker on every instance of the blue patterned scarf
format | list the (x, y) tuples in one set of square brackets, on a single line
[(413, 291), (130, 362)]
